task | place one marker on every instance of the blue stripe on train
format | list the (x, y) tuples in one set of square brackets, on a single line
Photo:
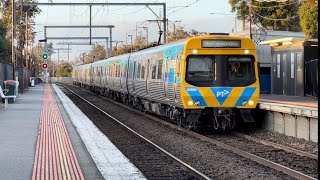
[(196, 96), (246, 95)]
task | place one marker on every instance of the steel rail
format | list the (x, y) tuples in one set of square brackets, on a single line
[(275, 145), (257, 159), (179, 162)]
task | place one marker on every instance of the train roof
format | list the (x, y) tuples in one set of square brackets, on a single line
[(172, 44)]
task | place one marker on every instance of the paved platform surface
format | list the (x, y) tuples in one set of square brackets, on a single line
[(19, 130), (289, 100)]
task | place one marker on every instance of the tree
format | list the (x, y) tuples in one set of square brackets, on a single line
[(308, 13), (180, 34), (96, 53), (5, 6), (63, 69), (269, 15), (5, 48)]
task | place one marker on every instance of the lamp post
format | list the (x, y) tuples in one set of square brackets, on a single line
[(250, 19), (146, 28), (174, 26), (130, 35), (26, 49)]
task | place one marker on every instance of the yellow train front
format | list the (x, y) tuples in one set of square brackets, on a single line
[(219, 79)]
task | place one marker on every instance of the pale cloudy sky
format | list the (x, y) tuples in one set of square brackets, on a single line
[(193, 14)]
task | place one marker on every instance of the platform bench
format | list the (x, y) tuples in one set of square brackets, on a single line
[(3, 96)]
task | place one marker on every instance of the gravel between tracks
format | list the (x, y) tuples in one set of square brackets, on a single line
[(205, 157), (297, 143)]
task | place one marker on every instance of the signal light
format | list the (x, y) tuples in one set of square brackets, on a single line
[(44, 66), (45, 56)]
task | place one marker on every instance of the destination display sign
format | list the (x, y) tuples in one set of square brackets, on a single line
[(215, 43)]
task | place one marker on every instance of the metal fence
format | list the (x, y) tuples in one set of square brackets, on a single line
[(60, 79), (5, 72)]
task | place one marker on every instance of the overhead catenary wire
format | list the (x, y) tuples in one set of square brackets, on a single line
[(174, 11), (267, 7), (272, 19)]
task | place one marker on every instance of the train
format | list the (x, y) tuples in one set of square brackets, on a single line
[(204, 80)]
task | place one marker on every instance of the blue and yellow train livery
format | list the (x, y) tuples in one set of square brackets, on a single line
[(201, 80)]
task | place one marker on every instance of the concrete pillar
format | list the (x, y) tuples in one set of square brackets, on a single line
[(303, 127), (267, 122), (314, 129), (290, 125), (278, 122)]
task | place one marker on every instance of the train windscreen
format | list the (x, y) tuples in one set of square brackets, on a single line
[(220, 70)]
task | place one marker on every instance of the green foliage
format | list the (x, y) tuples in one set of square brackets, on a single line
[(5, 46), (97, 53), (140, 43), (63, 69), (270, 15), (6, 14), (308, 13)]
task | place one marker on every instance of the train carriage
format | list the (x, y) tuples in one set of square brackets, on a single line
[(205, 79)]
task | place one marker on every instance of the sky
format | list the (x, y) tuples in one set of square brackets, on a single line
[(190, 14)]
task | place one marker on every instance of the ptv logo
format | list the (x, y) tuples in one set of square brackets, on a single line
[(222, 93)]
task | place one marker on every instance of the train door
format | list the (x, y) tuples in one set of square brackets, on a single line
[(291, 75), (284, 73), (105, 76), (148, 75), (166, 77), (134, 76), (113, 74), (277, 87), (177, 75), (120, 74)]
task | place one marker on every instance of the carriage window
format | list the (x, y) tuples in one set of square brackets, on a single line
[(160, 62), (125, 70), (240, 68), (119, 70), (138, 70), (130, 70), (153, 71), (178, 69), (134, 70), (143, 69), (200, 68)]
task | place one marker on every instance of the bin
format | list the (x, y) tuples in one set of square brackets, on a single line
[(32, 81), (10, 85)]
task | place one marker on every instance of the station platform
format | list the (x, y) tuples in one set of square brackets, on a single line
[(295, 105), (289, 100), (43, 135), (290, 115)]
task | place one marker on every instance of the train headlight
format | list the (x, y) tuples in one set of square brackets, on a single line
[(251, 103), (195, 51), (246, 51), (190, 103)]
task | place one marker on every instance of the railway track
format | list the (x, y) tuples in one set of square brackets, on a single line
[(263, 161), (153, 152)]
